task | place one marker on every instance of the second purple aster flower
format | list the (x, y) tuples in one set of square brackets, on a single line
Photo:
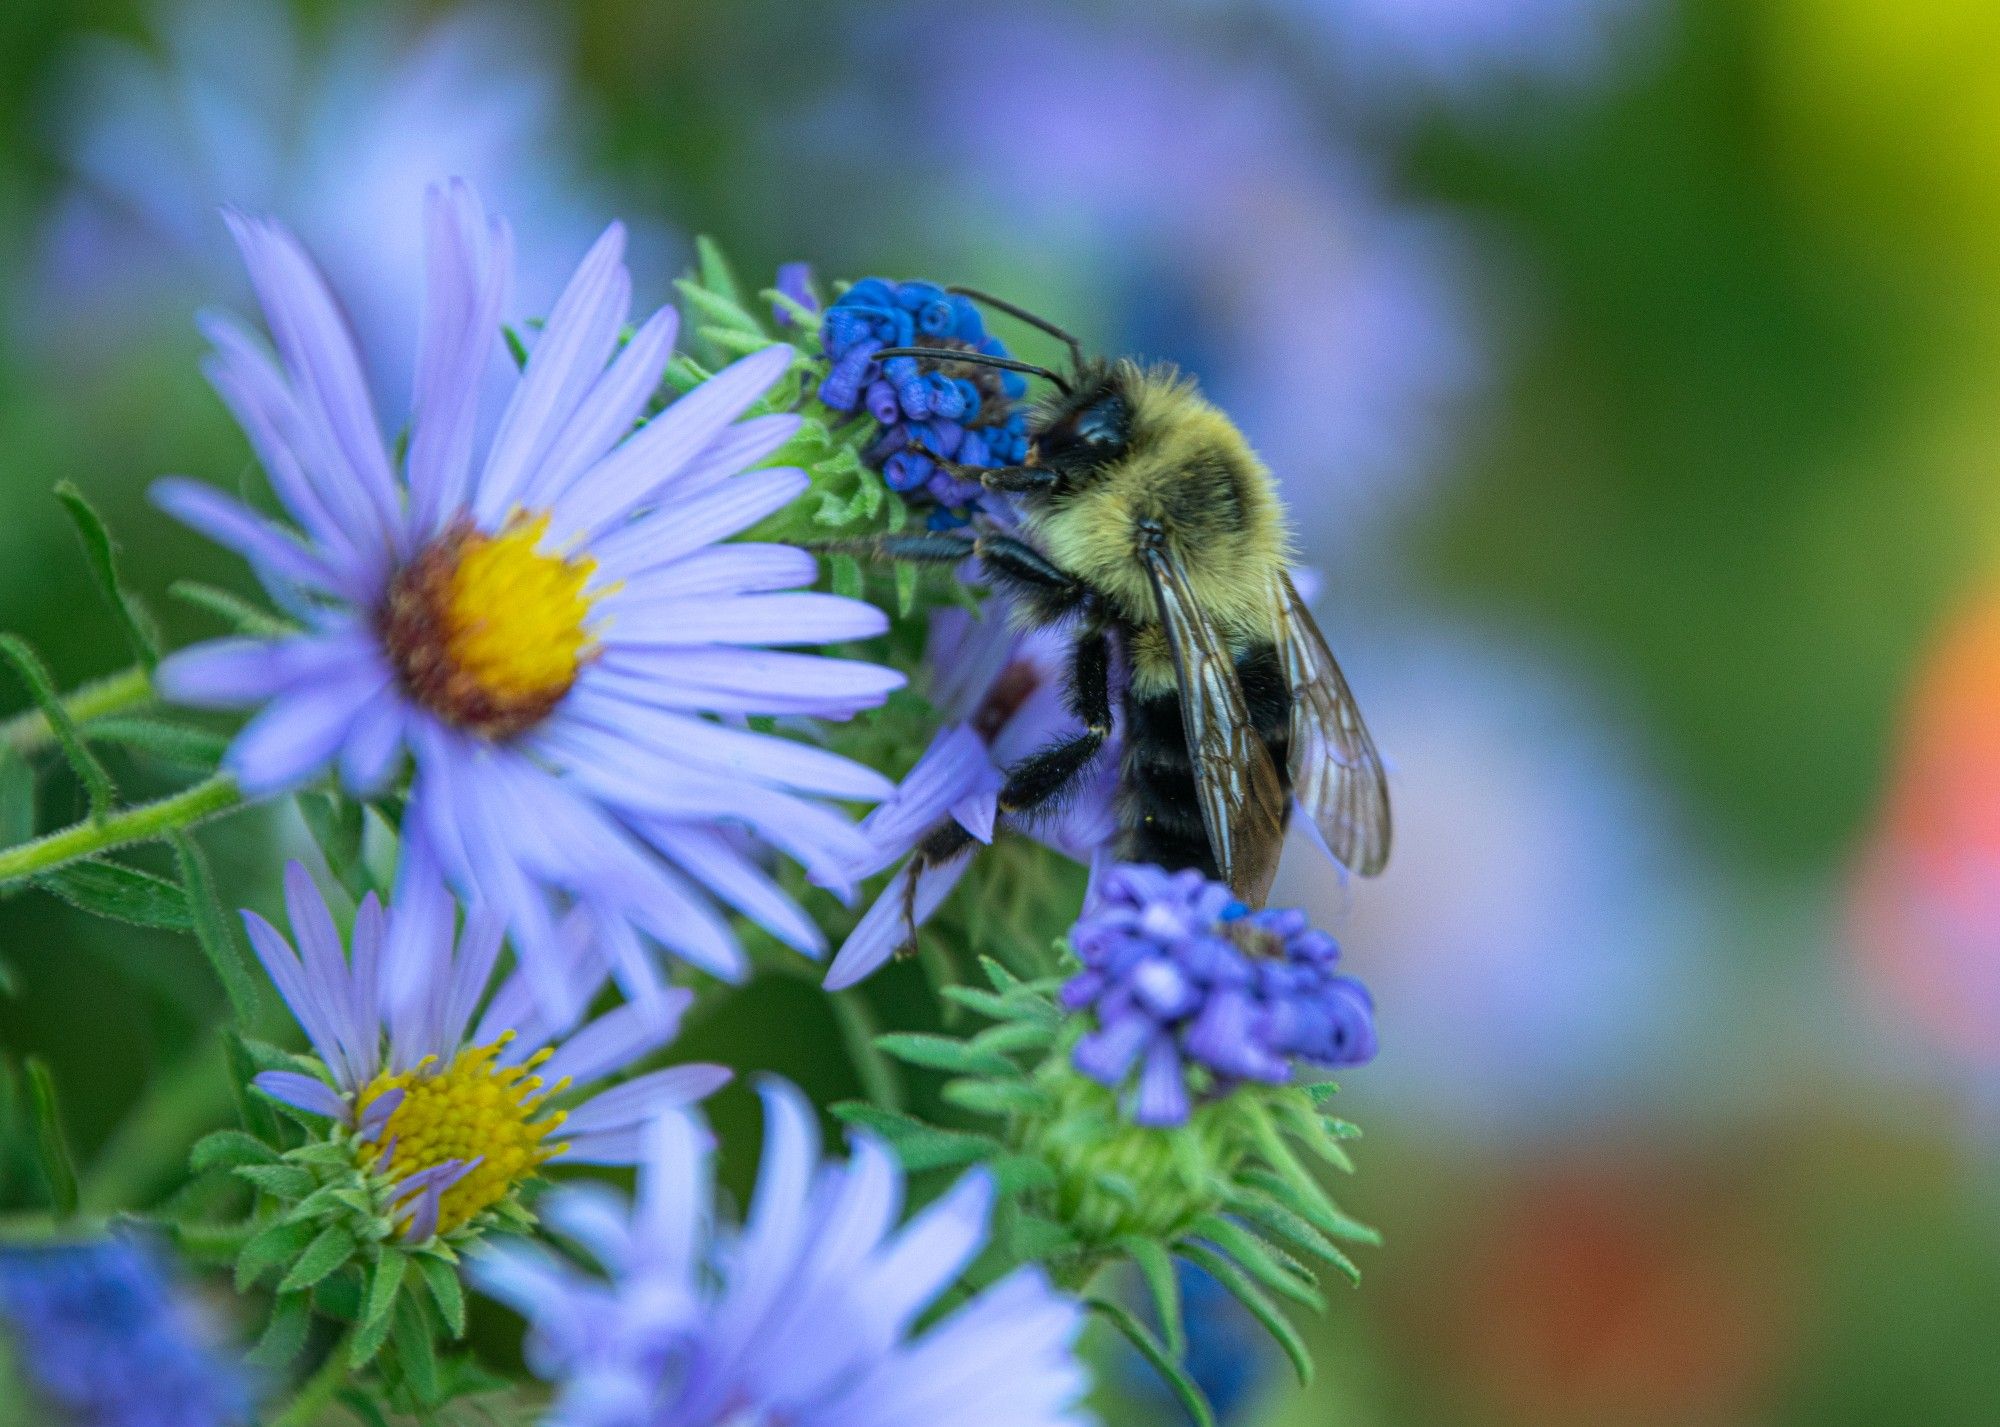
[(548, 622)]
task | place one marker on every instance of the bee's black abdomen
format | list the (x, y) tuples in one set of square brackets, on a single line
[(1159, 815)]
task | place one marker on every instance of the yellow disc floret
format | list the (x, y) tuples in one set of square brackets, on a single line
[(489, 631), (470, 1109)]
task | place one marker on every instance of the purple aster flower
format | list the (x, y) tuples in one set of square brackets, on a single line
[(926, 409), (1000, 693), (459, 1111), (101, 1333), (342, 127), (1179, 974), (552, 626), (801, 1317)]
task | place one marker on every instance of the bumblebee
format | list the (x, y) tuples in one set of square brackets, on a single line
[(1150, 527)]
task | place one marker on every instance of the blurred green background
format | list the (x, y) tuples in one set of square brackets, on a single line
[(1631, 366)]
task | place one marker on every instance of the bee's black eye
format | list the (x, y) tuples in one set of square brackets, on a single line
[(1092, 437)]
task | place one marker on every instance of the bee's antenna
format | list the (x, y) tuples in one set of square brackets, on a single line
[(980, 359), (1075, 347)]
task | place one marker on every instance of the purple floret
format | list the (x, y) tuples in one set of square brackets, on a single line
[(1178, 973)]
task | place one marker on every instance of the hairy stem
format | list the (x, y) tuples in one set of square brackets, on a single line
[(143, 823), (29, 732)]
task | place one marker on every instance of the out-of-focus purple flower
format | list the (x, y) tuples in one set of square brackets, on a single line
[(1180, 974), (1544, 928), (1391, 54), (236, 106), (926, 409), (460, 1113), (1204, 217), (555, 631), (1000, 692), (802, 1317), (101, 1333), (795, 281)]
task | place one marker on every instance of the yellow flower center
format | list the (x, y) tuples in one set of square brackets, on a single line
[(488, 631), (471, 1109)]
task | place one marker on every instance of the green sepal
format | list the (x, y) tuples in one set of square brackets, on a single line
[(284, 1335), (324, 1154), (919, 1146), (377, 1308), (1314, 1207), (285, 1181), (119, 893), (334, 1246), (1305, 1124), (722, 311), (1163, 1362), (1268, 1264), (1033, 1237), (1275, 1219), (281, 1243), (714, 272), (441, 1279), (1163, 1285), (228, 1149), (1230, 1275), (934, 1052), (135, 622)]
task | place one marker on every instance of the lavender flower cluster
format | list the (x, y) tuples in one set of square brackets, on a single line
[(926, 408), (1178, 973)]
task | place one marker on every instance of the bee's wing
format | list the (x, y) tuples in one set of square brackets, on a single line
[(1336, 773), (1242, 800)]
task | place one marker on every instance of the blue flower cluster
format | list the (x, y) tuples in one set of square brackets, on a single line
[(1180, 973), (928, 408), (97, 1329)]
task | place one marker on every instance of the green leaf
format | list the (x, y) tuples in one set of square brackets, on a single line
[(285, 1335), (361, 1405), (1156, 1266), (215, 931), (235, 611), (1164, 1363), (934, 1052), (194, 749), (1033, 1237), (334, 1246), (1271, 1267), (724, 311), (281, 1243), (997, 1097), (1225, 1271), (17, 797), (1304, 1123), (34, 675), (516, 347), (1020, 1173), (1016, 1036), (1314, 1207), (51, 1146), (442, 1281), (1004, 981), (119, 893), (102, 553), (416, 1354), (226, 1149)]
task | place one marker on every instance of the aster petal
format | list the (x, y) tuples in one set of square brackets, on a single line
[(880, 931), (955, 765), (615, 1039), (682, 527), (709, 858), (229, 673), (304, 1092), (929, 1253), (373, 748), (416, 952), (638, 1100), (328, 385), (747, 681), (796, 618), (673, 1211), (315, 1018), (468, 261), (657, 454), (733, 569), (608, 413), (275, 553), (737, 448), (327, 978), (566, 360), (593, 1216), (297, 734)]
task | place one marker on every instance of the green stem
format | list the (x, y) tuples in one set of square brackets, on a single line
[(29, 732), (318, 1390), (184, 809)]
